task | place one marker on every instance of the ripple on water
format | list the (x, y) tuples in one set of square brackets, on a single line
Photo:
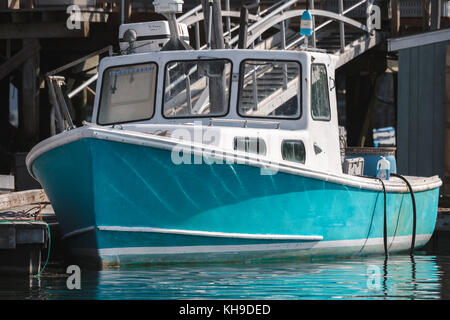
[(401, 277)]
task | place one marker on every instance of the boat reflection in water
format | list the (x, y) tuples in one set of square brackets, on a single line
[(399, 277)]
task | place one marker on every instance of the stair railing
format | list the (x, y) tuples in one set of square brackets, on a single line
[(278, 15), (194, 16)]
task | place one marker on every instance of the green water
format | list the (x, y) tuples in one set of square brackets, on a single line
[(425, 276)]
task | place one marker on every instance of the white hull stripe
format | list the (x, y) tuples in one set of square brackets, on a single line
[(402, 241), (77, 232), (212, 234)]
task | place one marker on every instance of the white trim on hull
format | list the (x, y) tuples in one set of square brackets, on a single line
[(212, 234), (222, 253), (78, 232), (194, 233)]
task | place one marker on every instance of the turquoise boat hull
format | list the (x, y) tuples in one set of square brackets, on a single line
[(122, 203)]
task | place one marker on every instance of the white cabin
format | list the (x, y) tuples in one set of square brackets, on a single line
[(280, 105)]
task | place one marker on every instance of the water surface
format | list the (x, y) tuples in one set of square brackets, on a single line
[(425, 276)]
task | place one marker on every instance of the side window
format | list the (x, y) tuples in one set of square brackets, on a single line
[(293, 150), (197, 88), (270, 89), (250, 145), (320, 101)]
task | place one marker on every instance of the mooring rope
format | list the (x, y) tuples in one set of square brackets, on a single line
[(48, 251), (413, 239), (24, 214)]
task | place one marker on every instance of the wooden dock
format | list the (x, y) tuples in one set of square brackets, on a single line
[(24, 231), (21, 243)]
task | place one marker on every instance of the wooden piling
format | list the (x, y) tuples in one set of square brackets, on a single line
[(447, 123), (29, 108), (395, 17)]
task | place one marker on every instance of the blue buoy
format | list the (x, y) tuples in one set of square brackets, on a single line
[(306, 25)]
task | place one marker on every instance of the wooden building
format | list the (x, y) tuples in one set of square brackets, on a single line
[(423, 102)]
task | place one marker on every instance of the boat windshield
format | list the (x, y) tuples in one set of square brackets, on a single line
[(128, 93), (270, 89), (197, 88)]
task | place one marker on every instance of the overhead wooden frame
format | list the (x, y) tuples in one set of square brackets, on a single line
[(41, 30), (447, 123), (18, 59)]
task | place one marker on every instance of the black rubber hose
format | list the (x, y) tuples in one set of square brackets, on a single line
[(385, 215), (385, 220), (413, 240)]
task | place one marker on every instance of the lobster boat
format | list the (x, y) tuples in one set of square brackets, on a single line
[(222, 155)]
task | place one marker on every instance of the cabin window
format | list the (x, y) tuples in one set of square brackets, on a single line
[(320, 103), (250, 145), (270, 89), (128, 93), (197, 88), (293, 150)]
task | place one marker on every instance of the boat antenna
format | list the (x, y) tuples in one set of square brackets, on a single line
[(210, 3), (168, 8)]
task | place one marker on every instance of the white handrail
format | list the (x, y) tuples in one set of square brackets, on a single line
[(200, 16), (296, 13), (84, 85), (189, 13), (356, 5), (278, 15)]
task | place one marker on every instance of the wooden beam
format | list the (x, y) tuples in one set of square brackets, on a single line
[(28, 134), (358, 47), (26, 4), (6, 183), (17, 60), (395, 17), (9, 4), (447, 123), (426, 15), (436, 6), (23, 198), (41, 30)]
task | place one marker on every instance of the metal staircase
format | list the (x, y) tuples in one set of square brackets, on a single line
[(274, 28)]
